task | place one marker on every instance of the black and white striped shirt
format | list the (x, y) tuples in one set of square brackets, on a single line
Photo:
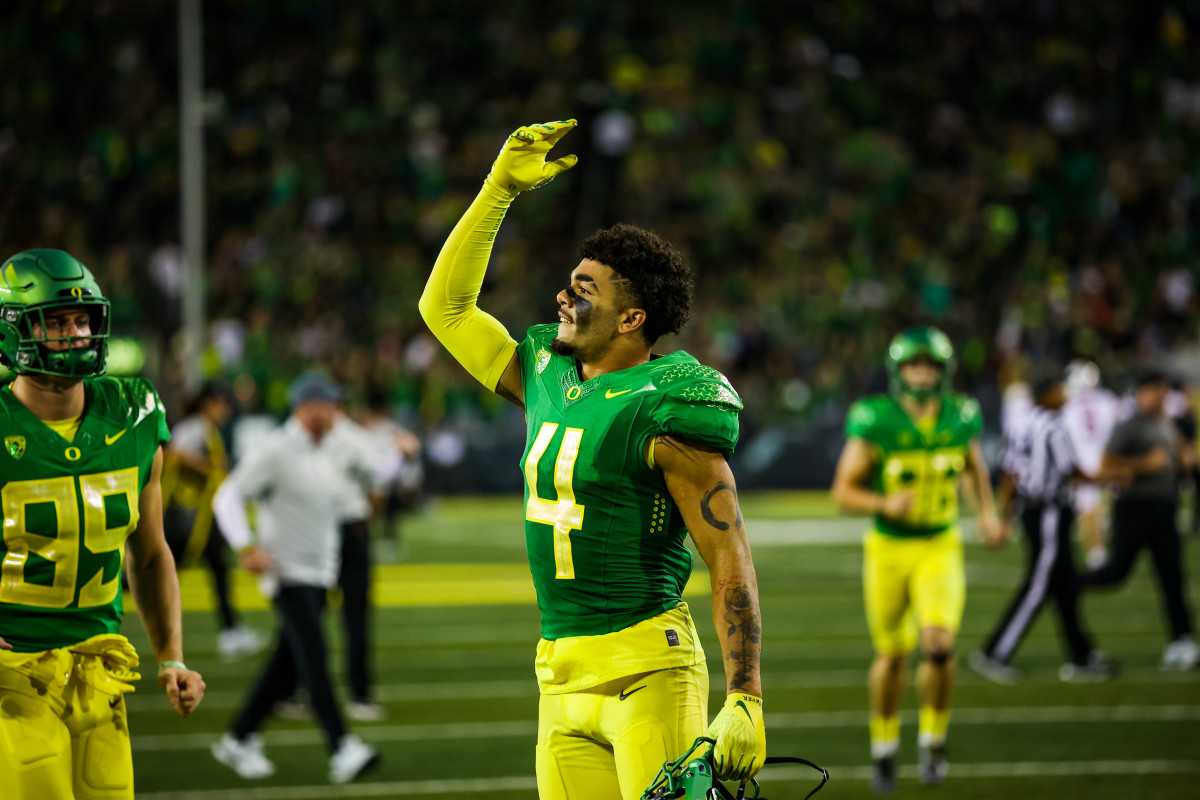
[(1039, 455)]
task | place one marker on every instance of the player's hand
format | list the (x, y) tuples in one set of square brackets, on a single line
[(897, 504), (255, 560), (741, 739), (998, 536), (185, 688), (4, 645), (522, 163)]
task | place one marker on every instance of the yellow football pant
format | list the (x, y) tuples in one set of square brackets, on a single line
[(909, 584), (609, 741), (63, 730)]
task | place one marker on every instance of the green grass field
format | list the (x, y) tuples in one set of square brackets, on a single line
[(456, 630)]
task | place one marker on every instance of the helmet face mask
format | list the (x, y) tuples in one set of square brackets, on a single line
[(35, 287), (691, 777), (923, 342)]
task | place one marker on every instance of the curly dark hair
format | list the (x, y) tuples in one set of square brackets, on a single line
[(651, 271)]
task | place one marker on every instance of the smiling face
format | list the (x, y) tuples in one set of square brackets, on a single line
[(592, 311)]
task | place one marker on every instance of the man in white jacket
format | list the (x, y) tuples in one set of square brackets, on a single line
[(299, 495)]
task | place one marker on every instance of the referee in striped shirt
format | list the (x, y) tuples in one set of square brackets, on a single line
[(1039, 465)]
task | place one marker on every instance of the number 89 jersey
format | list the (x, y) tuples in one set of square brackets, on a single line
[(927, 459), (68, 508), (605, 540)]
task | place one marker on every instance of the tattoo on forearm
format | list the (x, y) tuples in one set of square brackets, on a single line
[(707, 511), (668, 441), (744, 636)]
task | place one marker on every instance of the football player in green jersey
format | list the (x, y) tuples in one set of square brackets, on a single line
[(79, 484), (626, 455), (905, 454)]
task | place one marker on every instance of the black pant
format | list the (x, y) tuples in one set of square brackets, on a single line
[(354, 580), (1145, 522), (299, 658), (1049, 572), (178, 523)]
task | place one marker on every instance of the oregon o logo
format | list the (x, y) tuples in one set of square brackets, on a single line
[(76, 292), (574, 392), (73, 454)]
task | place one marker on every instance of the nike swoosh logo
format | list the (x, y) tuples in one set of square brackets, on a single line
[(610, 394), (624, 695), (741, 704), (110, 439)]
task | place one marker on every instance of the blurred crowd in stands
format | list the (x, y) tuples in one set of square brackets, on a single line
[(1022, 174)]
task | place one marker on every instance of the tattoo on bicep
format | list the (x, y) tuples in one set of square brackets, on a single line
[(744, 635), (668, 441), (707, 512)]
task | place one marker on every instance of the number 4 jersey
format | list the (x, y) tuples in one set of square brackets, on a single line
[(68, 508), (605, 540)]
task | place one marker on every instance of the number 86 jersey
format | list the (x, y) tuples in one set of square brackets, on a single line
[(69, 506), (605, 540)]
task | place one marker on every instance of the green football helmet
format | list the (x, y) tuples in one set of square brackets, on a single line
[(691, 777), (923, 341), (35, 283)]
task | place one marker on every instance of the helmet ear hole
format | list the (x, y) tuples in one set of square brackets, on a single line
[(10, 343)]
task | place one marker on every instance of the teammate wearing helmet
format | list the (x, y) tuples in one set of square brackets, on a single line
[(79, 483), (905, 454)]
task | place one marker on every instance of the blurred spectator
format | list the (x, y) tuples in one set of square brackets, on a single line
[(1144, 512), (1022, 174), (195, 463)]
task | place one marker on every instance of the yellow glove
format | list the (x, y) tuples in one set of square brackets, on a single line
[(522, 163), (741, 739)]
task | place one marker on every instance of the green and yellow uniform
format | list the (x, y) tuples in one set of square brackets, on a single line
[(607, 551), (70, 497), (913, 569)]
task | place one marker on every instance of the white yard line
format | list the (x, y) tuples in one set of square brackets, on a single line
[(1033, 715), (516, 783), (150, 700)]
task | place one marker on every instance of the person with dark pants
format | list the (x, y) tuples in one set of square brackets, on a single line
[(298, 491), (365, 463), (1144, 511), (1039, 464), (194, 464), (354, 580), (300, 658)]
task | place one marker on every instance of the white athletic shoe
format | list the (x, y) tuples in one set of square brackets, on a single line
[(365, 711), (995, 671), (1096, 558), (353, 758), (243, 757), (1182, 654), (1096, 669), (239, 642)]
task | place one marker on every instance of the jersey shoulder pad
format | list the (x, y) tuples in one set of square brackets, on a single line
[(868, 416), (130, 402), (697, 402), (967, 412)]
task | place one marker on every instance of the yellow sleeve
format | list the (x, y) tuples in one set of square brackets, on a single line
[(448, 305)]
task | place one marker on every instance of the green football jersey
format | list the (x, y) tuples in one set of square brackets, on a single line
[(925, 460), (68, 508), (605, 540)]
